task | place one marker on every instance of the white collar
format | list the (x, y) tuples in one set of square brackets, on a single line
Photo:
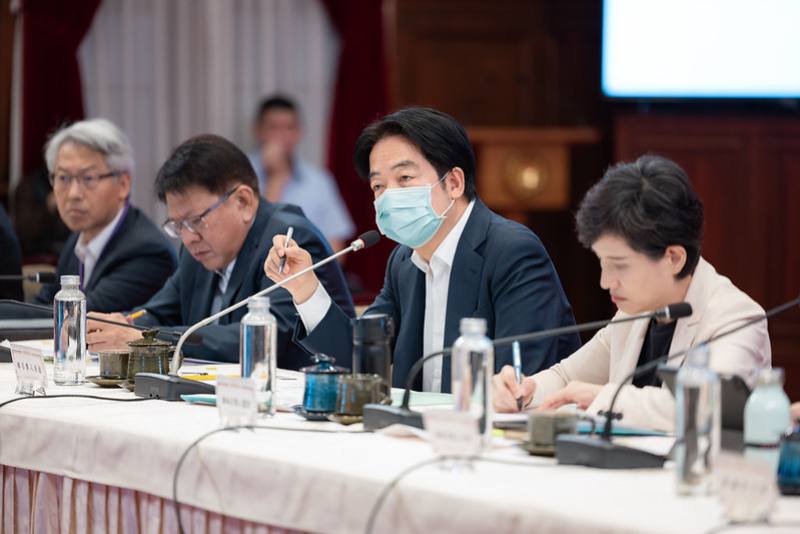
[(446, 251), (95, 246)]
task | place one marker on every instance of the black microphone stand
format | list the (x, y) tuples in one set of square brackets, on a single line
[(599, 451)]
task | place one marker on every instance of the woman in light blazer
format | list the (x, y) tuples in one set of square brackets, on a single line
[(644, 222)]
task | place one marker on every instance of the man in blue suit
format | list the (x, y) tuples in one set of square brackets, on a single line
[(214, 207), (455, 257), (120, 255)]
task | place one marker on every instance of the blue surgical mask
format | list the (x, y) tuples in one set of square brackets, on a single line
[(406, 214)]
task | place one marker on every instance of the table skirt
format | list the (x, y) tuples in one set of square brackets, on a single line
[(33, 502)]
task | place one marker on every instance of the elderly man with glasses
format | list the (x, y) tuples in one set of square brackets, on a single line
[(120, 255), (226, 228)]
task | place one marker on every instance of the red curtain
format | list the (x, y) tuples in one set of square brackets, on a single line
[(361, 97), (51, 82)]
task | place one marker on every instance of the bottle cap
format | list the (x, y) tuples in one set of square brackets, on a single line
[(473, 325), (70, 280), (770, 376)]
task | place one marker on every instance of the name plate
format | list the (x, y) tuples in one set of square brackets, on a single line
[(453, 433), (30, 370), (748, 490), (236, 401)]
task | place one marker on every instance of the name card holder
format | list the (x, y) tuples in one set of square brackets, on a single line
[(236, 401), (748, 490), (30, 370), (453, 433)]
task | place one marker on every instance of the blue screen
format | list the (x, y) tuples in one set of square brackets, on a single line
[(701, 48)]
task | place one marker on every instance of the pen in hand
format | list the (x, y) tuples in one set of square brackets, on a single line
[(135, 315), (288, 240), (517, 360)]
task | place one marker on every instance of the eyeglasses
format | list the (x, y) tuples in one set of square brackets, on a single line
[(195, 224), (61, 182)]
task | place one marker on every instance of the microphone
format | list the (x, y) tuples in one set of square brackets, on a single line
[(170, 387), (40, 277), (49, 311), (601, 452), (377, 416)]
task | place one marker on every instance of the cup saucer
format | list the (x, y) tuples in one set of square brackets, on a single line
[(106, 381), (537, 449), (344, 419), (309, 416)]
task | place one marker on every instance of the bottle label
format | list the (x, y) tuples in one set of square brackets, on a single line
[(30, 370)]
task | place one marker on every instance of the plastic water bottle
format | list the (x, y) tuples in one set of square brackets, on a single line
[(472, 370), (767, 417), (258, 351), (69, 333), (697, 423)]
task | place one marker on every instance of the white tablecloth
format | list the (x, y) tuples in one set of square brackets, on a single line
[(328, 482)]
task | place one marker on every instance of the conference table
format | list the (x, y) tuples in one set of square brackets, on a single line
[(80, 465)]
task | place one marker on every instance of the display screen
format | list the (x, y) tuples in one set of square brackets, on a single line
[(701, 48)]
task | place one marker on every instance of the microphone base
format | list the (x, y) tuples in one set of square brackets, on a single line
[(377, 416), (596, 452), (168, 387)]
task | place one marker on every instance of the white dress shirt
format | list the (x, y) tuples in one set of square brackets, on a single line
[(89, 253), (437, 284)]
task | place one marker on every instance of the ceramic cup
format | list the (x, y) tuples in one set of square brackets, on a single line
[(114, 364), (356, 390), (544, 427)]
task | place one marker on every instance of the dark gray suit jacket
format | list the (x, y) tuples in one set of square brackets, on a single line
[(501, 272), (135, 263)]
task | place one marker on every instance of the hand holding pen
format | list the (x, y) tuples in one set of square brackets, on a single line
[(517, 361), (286, 243)]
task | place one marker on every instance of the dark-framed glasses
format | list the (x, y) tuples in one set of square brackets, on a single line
[(195, 224), (61, 181)]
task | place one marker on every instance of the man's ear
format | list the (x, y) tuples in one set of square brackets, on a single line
[(247, 202), (455, 183)]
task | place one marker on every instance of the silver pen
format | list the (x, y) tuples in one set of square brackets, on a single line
[(517, 360), (288, 240)]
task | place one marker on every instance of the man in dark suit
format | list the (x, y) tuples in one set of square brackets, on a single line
[(214, 207), (120, 255), (455, 257), (10, 258)]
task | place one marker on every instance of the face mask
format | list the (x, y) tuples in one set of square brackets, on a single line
[(406, 215)]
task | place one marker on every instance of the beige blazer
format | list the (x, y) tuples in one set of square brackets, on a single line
[(717, 305)]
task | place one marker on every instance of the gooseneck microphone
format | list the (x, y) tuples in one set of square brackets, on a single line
[(601, 452), (365, 240), (39, 278), (378, 416)]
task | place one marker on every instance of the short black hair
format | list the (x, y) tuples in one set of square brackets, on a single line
[(208, 161), (651, 204), (440, 138), (276, 101)]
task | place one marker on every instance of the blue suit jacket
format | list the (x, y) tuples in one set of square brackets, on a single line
[(186, 297), (134, 264), (501, 272)]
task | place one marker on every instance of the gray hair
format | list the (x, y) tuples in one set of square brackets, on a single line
[(100, 135)]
